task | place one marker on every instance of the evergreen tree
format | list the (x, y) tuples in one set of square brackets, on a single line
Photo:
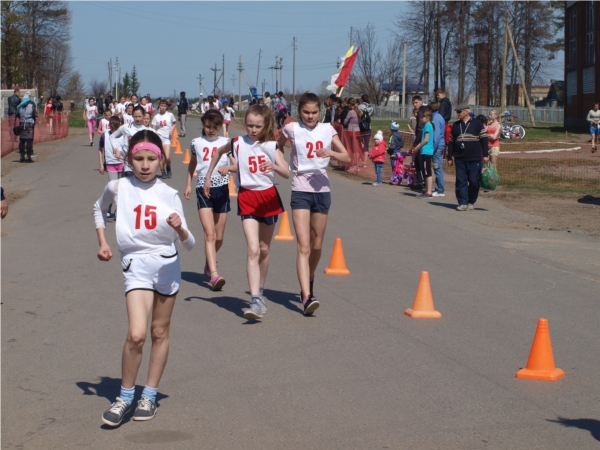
[(127, 84), (134, 83)]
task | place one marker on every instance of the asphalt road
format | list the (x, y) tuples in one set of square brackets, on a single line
[(357, 375)]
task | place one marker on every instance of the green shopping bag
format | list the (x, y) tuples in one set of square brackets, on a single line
[(488, 178)]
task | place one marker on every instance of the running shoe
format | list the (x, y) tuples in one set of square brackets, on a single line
[(206, 270), (462, 208), (438, 194), (163, 175), (114, 415), (377, 184), (262, 304), (146, 409), (91, 143), (470, 207), (169, 173), (310, 306), (425, 196), (254, 312), (217, 283)]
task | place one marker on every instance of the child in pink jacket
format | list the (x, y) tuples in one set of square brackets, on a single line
[(377, 155)]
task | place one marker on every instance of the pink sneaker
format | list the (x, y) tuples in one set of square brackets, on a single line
[(217, 283)]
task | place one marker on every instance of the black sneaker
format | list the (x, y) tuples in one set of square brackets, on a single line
[(146, 409), (310, 306), (163, 175), (114, 415), (29, 160), (169, 173), (312, 294), (21, 159), (91, 143)]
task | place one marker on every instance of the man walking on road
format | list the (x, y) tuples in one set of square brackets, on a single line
[(468, 140), (182, 112)]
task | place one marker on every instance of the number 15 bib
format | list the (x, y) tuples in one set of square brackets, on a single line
[(307, 143)]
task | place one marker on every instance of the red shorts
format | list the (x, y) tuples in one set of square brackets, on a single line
[(265, 203)]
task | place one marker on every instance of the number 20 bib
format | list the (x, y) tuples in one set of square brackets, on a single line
[(307, 143)]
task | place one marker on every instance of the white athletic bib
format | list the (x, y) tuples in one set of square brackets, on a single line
[(104, 126), (204, 150), (127, 119), (250, 155), (307, 143), (91, 112), (164, 123), (142, 220), (120, 109), (109, 150)]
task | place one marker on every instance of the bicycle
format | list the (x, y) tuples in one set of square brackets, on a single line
[(510, 131)]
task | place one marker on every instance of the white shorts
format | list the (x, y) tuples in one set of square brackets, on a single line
[(161, 274), (165, 140)]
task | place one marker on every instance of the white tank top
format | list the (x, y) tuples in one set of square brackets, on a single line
[(104, 125), (127, 119), (249, 156), (109, 150), (205, 149), (307, 142), (91, 112), (142, 220)]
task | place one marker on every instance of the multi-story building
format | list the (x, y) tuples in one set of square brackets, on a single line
[(582, 57)]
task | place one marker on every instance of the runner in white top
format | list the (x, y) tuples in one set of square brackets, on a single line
[(89, 115), (127, 115), (126, 132), (120, 109), (313, 144), (213, 209), (149, 223), (164, 123), (104, 123), (228, 114)]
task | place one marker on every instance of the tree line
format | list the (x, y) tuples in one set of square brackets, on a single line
[(441, 38)]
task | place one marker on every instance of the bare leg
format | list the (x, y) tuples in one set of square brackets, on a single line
[(161, 324), (258, 238), (139, 305)]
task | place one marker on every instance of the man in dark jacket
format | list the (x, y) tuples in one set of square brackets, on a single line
[(13, 101), (182, 110), (445, 105), (108, 100), (468, 146)]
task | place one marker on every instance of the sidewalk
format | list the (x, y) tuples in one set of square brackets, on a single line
[(357, 375)]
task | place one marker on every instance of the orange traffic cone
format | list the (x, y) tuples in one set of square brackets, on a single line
[(178, 148), (232, 191), (186, 158), (540, 365), (337, 263), (284, 233), (175, 134), (423, 302)]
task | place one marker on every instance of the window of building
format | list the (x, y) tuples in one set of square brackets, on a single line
[(572, 53), (590, 56)]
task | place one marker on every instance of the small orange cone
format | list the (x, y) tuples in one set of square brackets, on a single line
[(187, 157), (175, 134), (285, 232), (540, 365), (178, 148), (337, 263), (232, 191), (423, 302)]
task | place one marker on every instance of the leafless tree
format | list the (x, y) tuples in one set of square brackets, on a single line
[(59, 67), (97, 87), (368, 69), (75, 88)]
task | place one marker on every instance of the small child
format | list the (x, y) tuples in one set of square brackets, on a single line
[(395, 143), (109, 157), (104, 123), (377, 155)]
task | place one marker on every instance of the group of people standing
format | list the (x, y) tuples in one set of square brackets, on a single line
[(151, 220)]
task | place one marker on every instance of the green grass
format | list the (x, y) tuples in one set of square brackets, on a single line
[(76, 119)]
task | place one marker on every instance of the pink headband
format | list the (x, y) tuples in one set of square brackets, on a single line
[(146, 146)]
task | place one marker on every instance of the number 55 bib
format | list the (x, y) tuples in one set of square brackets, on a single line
[(307, 143)]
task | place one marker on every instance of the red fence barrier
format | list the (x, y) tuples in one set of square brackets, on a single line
[(60, 129)]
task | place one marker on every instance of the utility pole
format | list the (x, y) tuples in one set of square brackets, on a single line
[(348, 82), (403, 115), (514, 49), (215, 70), (223, 75), (504, 61), (294, 71), (281, 74), (117, 78), (240, 70), (351, 29), (200, 87), (232, 86), (110, 75), (276, 68), (258, 69), (263, 87)]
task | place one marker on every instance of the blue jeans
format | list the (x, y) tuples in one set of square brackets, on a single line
[(379, 170), (467, 181), (438, 169)]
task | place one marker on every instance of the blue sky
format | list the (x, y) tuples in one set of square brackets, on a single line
[(171, 43)]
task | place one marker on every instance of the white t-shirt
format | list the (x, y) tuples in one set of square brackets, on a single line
[(127, 119), (205, 148), (120, 139), (104, 125), (249, 156), (164, 124), (142, 226), (91, 112), (109, 150), (120, 108), (227, 112)]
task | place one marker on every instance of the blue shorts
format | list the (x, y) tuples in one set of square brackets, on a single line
[(218, 201), (271, 220), (595, 131), (314, 201)]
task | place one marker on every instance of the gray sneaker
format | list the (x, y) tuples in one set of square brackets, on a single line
[(146, 409), (255, 310), (470, 207), (438, 194), (262, 304), (114, 415), (462, 208)]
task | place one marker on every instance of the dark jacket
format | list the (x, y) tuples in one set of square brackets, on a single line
[(470, 135), (100, 105), (446, 109), (182, 108), (395, 143), (108, 100), (419, 127), (13, 101)]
